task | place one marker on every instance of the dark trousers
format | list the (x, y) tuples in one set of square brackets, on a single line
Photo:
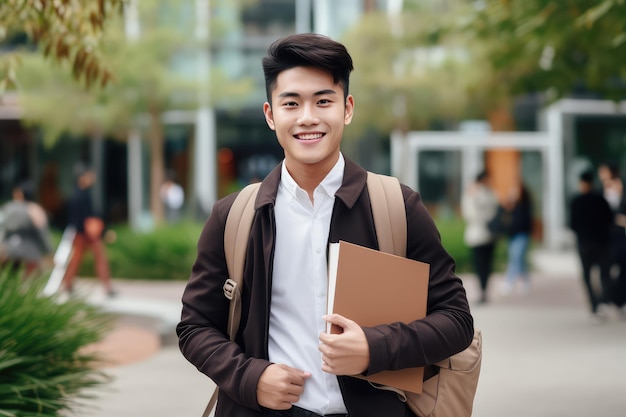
[(483, 263), (295, 412), (300, 412), (596, 254), (618, 263)]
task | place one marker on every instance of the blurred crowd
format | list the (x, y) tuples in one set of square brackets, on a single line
[(597, 216)]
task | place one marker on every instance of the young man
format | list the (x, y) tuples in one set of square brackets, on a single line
[(282, 363)]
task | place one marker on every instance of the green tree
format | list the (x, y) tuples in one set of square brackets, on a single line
[(65, 30), (153, 73), (552, 46), (408, 75), (443, 61)]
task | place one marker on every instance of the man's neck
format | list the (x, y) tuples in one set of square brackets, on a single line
[(309, 176)]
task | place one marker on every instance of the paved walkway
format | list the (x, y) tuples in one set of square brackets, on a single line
[(543, 354)]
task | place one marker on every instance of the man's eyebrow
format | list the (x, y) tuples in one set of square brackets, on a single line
[(317, 93), (325, 92), (288, 94)]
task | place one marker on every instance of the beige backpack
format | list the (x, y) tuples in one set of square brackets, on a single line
[(449, 393)]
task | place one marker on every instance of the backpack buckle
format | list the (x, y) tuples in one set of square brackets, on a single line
[(229, 288)]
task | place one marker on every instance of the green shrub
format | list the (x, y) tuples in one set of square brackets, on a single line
[(168, 251), (43, 367), (451, 229), (165, 253)]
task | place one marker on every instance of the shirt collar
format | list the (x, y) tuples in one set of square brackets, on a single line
[(330, 184)]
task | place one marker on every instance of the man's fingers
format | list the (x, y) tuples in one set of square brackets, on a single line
[(280, 385)]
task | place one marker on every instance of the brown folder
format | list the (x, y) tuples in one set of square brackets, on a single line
[(372, 288)]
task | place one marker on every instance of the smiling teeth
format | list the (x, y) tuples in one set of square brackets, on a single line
[(311, 136)]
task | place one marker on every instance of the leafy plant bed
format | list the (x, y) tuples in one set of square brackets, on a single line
[(44, 364)]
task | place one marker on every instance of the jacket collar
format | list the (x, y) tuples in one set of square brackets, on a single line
[(354, 179)]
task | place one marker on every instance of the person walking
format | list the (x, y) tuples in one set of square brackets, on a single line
[(89, 229), (26, 239), (281, 362), (479, 205), (613, 192), (518, 212), (591, 219)]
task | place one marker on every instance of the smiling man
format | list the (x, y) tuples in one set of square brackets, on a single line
[(282, 363)]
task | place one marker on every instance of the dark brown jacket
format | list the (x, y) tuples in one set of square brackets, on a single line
[(236, 367)]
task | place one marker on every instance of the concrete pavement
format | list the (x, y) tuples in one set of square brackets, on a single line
[(543, 355)]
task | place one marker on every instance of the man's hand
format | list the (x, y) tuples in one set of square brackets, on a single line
[(280, 386), (347, 353)]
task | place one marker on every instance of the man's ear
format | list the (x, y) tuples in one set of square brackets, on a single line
[(269, 116), (349, 111)]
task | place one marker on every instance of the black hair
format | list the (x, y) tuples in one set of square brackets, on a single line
[(307, 50), (27, 188), (586, 177), (482, 175)]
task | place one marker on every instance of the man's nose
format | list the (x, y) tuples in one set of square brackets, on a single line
[(308, 115)]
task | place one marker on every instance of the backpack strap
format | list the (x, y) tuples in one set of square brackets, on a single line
[(238, 224), (236, 232), (389, 213)]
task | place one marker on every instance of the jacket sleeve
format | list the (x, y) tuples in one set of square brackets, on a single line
[(448, 327), (202, 330)]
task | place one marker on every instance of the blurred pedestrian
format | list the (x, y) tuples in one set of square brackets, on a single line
[(89, 229), (619, 289), (518, 210), (173, 197), (26, 240), (591, 219), (612, 185), (613, 191), (479, 205)]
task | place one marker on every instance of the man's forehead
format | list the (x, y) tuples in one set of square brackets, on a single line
[(300, 81)]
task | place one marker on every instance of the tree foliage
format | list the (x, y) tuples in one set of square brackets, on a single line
[(64, 30), (553, 46), (438, 62), (154, 72), (407, 76)]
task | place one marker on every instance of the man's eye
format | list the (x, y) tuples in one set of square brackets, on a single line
[(290, 104), (324, 101)]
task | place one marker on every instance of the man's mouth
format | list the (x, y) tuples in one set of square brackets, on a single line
[(309, 136)]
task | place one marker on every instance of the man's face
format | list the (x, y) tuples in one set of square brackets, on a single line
[(87, 179), (308, 114)]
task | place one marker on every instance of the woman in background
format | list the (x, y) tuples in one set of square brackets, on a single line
[(479, 206)]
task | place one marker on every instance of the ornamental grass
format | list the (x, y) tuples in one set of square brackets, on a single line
[(44, 369)]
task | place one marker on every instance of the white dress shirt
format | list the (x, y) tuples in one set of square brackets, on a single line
[(300, 284)]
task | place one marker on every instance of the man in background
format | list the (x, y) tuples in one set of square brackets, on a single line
[(591, 219)]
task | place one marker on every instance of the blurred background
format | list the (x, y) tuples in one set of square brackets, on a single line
[(163, 99), (149, 90)]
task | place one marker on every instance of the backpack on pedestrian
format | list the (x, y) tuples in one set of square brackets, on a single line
[(450, 392)]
